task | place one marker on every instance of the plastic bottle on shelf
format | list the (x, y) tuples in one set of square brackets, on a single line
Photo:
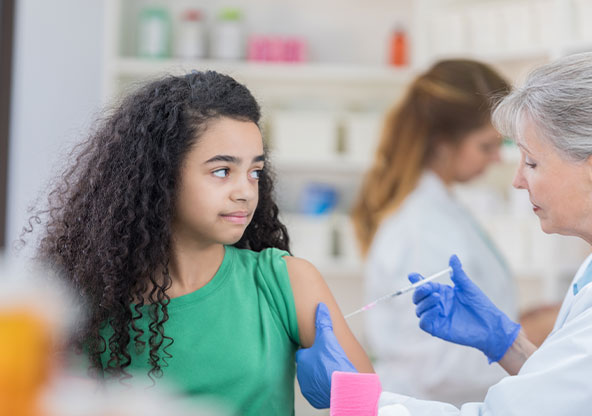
[(190, 35), (154, 34), (398, 44), (318, 199), (227, 35)]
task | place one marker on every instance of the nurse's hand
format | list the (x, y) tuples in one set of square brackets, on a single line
[(316, 364), (463, 314)]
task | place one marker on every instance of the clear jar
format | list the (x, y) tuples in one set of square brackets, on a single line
[(154, 30), (190, 36), (227, 35)]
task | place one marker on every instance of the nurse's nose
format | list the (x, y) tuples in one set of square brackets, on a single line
[(519, 181)]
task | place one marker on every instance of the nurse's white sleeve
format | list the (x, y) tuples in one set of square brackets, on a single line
[(417, 407), (555, 380)]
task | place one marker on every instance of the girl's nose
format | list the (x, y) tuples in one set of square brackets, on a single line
[(244, 189)]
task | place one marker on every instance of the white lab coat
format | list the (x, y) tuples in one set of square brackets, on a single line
[(420, 237), (555, 380)]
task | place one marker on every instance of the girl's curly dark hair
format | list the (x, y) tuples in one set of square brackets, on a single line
[(108, 222)]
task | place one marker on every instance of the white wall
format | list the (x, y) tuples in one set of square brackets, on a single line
[(55, 93)]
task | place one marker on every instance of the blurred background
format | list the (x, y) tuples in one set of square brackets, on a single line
[(324, 72)]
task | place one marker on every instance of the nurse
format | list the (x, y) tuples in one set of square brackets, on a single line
[(407, 218), (550, 117)]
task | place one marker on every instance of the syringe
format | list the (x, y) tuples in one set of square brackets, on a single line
[(400, 291)]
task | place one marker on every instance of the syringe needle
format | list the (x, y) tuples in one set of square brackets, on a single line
[(400, 291)]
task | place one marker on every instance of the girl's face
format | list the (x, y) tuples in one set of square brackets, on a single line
[(560, 190), (475, 153), (219, 187)]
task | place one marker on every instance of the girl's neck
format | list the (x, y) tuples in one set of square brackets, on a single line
[(192, 266)]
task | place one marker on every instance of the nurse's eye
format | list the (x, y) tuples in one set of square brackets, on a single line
[(529, 163), (221, 173)]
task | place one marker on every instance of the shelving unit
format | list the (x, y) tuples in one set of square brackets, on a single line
[(268, 72), (339, 91), (503, 31), (122, 64), (514, 36), (331, 166), (363, 84)]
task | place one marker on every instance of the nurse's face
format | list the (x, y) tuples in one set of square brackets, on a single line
[(476, 152), (560, 190)]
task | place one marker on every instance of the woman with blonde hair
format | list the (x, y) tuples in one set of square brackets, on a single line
[(407, 219)]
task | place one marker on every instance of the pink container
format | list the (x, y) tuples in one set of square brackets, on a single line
[(257, 48), (354, 394), (276, 49)]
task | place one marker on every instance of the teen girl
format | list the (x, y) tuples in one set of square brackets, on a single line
[(165, 225)]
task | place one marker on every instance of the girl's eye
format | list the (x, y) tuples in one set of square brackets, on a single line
[(256, 174), (221, 173)]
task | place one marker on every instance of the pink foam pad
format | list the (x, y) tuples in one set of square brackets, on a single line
[(354, 394)]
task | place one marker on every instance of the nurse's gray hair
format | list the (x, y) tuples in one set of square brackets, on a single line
[(557, 99)]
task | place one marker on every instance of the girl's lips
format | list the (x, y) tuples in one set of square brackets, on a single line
[(236, 217)]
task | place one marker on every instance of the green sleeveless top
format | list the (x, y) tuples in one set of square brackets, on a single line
[(234, 339)]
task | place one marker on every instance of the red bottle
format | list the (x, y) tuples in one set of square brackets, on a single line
[(398, 48)]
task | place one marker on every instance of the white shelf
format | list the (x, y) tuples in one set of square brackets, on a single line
[(528, 54), (335, 165), (510, 154), (535, 272), (263, 71), (577, 46), (534, 54), (335, 269), (549, 29), (503, 57)]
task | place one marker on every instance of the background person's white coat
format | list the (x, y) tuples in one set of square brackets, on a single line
[(420, 236)]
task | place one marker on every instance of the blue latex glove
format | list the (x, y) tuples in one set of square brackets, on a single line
[(316, 364), (463, 314)]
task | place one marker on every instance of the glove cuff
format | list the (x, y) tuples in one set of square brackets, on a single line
[(505, 335)]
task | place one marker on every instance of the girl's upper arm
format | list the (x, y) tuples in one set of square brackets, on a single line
[(309, 289)]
